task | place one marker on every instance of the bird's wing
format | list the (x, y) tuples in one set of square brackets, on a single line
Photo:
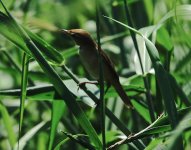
[(109, 63)]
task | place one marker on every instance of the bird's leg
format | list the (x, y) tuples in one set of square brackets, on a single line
[(82, 84)]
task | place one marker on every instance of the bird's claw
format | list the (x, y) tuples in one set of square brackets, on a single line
[(83, 84)]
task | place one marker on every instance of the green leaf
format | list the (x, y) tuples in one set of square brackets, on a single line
[(53, 56), (74, 138), (82, 140), (163, 38), (149, 9), (163, 82), (23, 140), (57, 112), (167, 94), (10, 31), (112, 136), (182, 11), (8, 125), (176, 134), (157, 143), (68, 53), (179, 91), (24, 79), (142, 110)]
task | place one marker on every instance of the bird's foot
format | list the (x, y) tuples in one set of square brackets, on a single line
[(83, 84)]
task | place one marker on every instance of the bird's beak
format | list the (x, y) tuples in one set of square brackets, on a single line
[(66, 32)]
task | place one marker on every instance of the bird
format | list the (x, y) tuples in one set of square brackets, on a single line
[(88, 52)]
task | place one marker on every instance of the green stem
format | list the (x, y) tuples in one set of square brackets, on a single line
[(24, 79), (101, 78)]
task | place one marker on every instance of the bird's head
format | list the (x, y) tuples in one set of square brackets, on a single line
[(80, 36)]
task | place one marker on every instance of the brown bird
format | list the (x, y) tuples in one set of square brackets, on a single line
[(88, 52)]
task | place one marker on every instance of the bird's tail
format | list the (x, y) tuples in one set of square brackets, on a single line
[(122, 94)]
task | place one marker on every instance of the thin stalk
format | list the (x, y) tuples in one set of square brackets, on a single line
[(101, 78), (145, 79), (183, 97), (158, 103), (135, 136), (24, 78)]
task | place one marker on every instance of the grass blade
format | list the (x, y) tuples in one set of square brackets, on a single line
[(81, 141), (9, 30), (8, 125), (101, 77), (29, 135), (24, 79), (57, 112)]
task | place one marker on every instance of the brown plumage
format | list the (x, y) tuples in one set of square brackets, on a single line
[(88, 52)]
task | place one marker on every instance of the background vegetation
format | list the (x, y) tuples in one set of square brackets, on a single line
[(149, 43)]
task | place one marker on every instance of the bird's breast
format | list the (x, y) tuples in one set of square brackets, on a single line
[(89, 59)]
